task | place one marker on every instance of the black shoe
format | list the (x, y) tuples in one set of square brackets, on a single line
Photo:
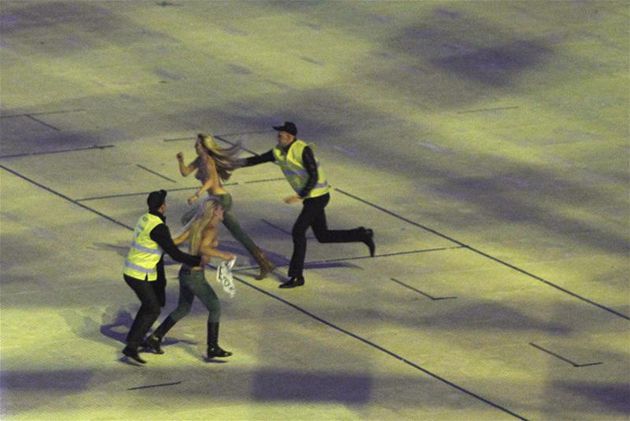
[(215, 351), (368, 239), (152, 344), (296, 281), (133, 354)]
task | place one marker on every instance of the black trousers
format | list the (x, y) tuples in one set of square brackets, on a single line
[(314, 216), (148, 313)]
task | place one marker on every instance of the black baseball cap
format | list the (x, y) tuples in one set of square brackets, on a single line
[(156, 199), (288, 127)]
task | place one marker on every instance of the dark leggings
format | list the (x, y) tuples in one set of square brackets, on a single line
[(231, 223), (314, 216), (193, 284)]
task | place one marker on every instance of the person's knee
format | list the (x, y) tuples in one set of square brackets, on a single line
[(321, 236), (214, 317), (151, 309), (153, 314), (180, 312), (298, 232)]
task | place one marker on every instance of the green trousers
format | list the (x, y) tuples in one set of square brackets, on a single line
[(193, 284), (229, 221)]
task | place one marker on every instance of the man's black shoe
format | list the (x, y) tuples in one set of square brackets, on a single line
[(296, 281), (133, 354), (368, 240), (152, 344), (216, 351)]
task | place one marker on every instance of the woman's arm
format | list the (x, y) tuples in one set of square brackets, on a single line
[(184, 169), (181, 237), (206, 246), (207, 185), (215, 252)]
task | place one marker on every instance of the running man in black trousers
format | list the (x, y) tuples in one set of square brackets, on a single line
[(299, 166)]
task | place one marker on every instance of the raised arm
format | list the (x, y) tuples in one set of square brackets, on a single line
[(184, 169)]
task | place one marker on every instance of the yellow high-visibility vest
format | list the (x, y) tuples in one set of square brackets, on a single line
[(295, 172), (144, 254)]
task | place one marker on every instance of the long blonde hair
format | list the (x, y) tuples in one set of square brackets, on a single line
[(200, 223), (225, 158)]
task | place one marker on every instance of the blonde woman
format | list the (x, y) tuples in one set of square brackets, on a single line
[(202, 235), (212, 167)]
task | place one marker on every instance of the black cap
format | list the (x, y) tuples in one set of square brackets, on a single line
[(156, 199), (288, 127)]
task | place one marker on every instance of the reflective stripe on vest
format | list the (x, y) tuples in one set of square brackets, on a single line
[(294, 171), (130, 265), (138, 247), (144, 253)]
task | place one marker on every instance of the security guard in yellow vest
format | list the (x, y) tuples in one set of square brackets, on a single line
[(143, 270), (303, 172)]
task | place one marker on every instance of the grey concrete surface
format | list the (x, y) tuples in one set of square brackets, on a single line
[(485, 142)]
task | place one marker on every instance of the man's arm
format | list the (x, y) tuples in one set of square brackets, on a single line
[(308, 159), (161, 235), (159, 286), (257, 159)]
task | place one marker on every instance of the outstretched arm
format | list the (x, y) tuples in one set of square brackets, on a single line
[(215, 252), (257, 159), (207, 247), (161, 235)]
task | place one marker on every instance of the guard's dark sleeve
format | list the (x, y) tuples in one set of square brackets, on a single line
[(161, 235), (159, 286), (257, 159), (308, 159)]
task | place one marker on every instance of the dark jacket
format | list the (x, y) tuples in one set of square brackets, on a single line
[(308, 160), (162, 235)]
